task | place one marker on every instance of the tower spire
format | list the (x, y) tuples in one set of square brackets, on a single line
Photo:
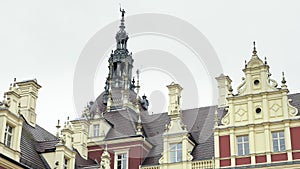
[(120, 71), (122, 26), (122, 36)]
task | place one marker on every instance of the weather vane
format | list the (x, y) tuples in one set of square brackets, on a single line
[(122, 11)]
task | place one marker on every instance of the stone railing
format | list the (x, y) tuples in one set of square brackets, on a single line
[(203, 164), (150, 167)]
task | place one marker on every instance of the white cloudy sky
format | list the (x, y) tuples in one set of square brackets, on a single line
[(44, 39)]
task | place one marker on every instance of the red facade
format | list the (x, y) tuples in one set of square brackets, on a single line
[(224, 144), (224, 163), (295, 138), (296, 155), (136, 149), (243, 161), (279, 157), (261, 159)]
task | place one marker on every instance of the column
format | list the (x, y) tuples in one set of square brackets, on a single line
[(287, 137), (267, 142), (217, 148), (252, 144), (2, 128)]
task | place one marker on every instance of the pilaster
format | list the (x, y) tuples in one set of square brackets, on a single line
[(288, 142), (232, 147)]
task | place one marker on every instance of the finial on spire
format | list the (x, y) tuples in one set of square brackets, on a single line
[(139, 122), (138, 77), (266, 60), (68, 120), (133, 81), (216, 118), (109, 98), (15, 81), (122, 36), (254, 48), (283, 81), (57, 128), (230, 91)]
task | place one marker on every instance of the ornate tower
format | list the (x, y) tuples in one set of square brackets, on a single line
[(120, 64)]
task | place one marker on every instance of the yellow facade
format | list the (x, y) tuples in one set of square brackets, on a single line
[(258, 109)]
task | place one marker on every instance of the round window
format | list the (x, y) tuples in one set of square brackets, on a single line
[(258, 110), (256, 82)]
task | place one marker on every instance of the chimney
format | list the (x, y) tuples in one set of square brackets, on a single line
[(29, 94), (224, 85), (67, 133), (174, 100), (12, 96), (80, 136)]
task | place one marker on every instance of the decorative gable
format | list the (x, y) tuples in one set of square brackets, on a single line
[(176, 139), (258, 99)]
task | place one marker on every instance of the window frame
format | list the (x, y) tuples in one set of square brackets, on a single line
[(96, 133), (177, 151), (66, 163), (7, 134), (278, 142), (120, 152), (245, 149)]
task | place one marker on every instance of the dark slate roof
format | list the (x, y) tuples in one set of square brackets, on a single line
[(116, 98), (33, 141), (124, 123), (199, 122), (295, 101), (81, 163), (36, 140)]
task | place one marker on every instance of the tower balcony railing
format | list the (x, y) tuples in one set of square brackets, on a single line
[(203, 164)]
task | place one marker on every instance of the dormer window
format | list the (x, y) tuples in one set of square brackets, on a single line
[(175, 153), (8, 136), (96, 128)]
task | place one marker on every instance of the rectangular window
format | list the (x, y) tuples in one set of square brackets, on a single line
[(122, 161), (66, 163), (8, 136), (243, 145), (175, 153), (278, 141), (96, 130)]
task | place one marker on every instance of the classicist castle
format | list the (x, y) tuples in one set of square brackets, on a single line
[(257, 127)]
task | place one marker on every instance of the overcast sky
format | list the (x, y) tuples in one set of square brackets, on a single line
[(44, 40)]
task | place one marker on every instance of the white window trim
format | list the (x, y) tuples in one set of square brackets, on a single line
[(243, 145), (176, 150), (278, 138), (7, 133), (117, 152), (94, 131)]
